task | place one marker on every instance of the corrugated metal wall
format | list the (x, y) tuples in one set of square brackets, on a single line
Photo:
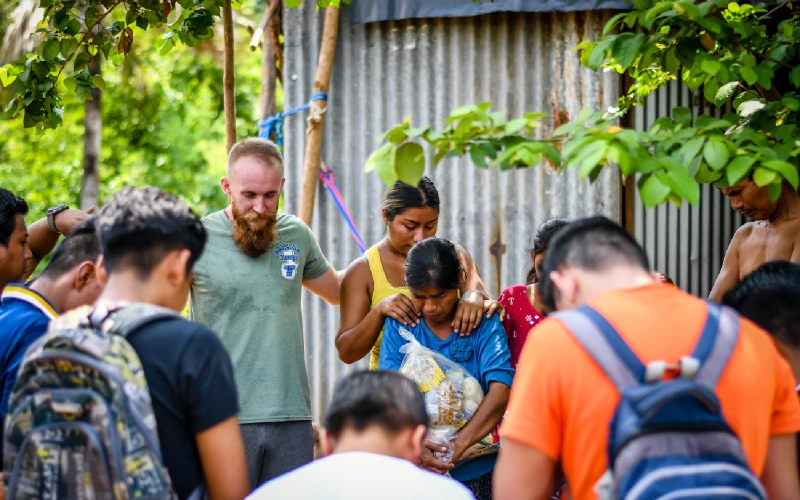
[(424, 69), (687, 244)]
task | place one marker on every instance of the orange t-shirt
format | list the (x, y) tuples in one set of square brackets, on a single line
[(562, 402)]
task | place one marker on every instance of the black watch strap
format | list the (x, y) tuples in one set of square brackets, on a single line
[(51, 216)]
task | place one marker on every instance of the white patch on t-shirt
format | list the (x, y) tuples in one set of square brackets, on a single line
[(361, 476)]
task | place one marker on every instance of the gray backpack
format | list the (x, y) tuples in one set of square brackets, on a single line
[(80, 422)]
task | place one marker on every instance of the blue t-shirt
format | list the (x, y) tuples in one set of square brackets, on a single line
[(490, 361), (24, 317)]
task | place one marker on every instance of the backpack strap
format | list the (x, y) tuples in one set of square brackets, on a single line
[(604, 345), (716, 344), (126, 320)]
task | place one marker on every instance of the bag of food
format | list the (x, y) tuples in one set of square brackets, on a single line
[(452, 397)]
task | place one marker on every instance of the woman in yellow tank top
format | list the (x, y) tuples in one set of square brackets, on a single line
[(374, 285)]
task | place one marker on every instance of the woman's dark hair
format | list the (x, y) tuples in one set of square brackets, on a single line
[(434, 262), (401, 197), (540, 241)]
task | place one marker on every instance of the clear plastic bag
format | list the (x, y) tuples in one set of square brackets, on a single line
[(452, 397)]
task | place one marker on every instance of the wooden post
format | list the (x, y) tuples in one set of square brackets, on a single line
[(228, 79), (316, 120), (268, 69)]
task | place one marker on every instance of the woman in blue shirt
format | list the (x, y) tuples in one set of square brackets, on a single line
[(434, 275)]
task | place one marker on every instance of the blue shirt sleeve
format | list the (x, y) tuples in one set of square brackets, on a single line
[(391, 358), (27, 336), (494, 358)]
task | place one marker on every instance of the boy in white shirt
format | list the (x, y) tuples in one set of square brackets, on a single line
[(372, 440)]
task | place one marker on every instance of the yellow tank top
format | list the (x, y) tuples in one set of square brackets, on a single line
[(380, 290)]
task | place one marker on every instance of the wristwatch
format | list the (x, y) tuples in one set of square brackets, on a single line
[(51, 216)]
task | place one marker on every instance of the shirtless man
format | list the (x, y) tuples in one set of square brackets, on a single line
[(775, 234)]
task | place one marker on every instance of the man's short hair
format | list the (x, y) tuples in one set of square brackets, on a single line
[(266, 151), (770, 298), (11, 205), (592, 244), (80, 246), (375, 398), (138, 227)]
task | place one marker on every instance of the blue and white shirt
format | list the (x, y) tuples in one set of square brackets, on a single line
[(24, 317)]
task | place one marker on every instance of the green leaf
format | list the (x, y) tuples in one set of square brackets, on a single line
[(409, 163), (611, 22), (791, 103), (682, 115), (725, 93), (690, 150), (716, 153), (794, 77), (73, 27), (684, 185), (584, 114), (748, 75), (50, 50), (786, 169), (293, 4), (763, 176), (98, 82), (5, 78), (567, 128), (591, 160), (738, 169), (382, 162), (598, 53), (626, 48), (710, 89), (653, 191), (775, 191), (764, 74), (515, 126), (81, 60), (710, 66), (618, 154)]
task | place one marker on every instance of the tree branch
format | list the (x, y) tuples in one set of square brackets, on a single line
[(262, 26), (89, 30)]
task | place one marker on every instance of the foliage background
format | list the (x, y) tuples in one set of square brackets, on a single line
[(163, 125)]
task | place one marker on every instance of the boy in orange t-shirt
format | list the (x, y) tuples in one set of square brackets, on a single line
[(562, 402)]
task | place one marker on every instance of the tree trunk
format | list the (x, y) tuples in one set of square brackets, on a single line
[(316, 120), (229, 99), (93, 131), (268, 69)]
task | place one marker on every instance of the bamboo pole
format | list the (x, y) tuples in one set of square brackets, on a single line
[(316, 120), (228, 80)]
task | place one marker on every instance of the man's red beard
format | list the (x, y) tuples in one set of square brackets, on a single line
[(253, 233)]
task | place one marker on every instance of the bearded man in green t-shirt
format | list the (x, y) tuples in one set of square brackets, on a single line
[(247, 288)]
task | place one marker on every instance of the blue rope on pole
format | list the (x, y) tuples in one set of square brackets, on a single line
[(274, 124)]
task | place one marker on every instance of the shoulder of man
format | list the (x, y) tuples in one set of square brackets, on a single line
[(213, 219)]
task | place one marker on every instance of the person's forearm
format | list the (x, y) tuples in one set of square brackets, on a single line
[(41, 239), (355, 343), (485, 419)]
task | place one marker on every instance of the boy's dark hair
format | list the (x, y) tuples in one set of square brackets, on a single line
[(592, 244), (770, 298), (401, 197), (383, 398), (541, 241), (11, 205), (138, 227), (81, 245), (433, 262)]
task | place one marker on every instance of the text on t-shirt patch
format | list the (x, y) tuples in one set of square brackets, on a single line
[(289, 253)]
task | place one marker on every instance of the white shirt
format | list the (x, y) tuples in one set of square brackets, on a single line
[(360, 475)]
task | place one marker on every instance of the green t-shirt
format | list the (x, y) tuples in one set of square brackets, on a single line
[(254, 306)]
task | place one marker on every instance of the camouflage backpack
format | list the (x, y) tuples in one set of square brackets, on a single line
[(80, 423)]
